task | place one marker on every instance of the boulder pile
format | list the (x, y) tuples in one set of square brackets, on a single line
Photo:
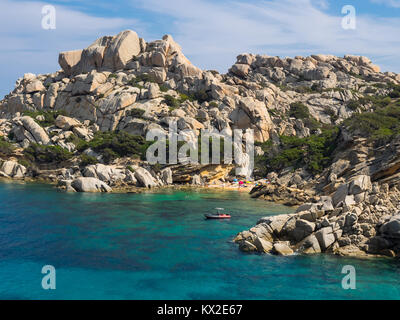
[(360, 218)]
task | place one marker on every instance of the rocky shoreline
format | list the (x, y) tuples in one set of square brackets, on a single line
[(360, 219), (118, 186)]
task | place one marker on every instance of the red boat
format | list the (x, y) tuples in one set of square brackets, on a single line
[(218, 215)]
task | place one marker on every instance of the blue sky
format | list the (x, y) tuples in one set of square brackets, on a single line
[(211, 32)]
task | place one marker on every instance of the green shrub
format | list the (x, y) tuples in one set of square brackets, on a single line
[(313, 152), (130, 169), (213, 104), (370, 90), (395, 93), (299, 111), (353, 105), (171, 102), (86, 160), (376, 101), (11, 136), (332, 114), (377, 125), (133, 83), (49, 116), (112, 145), (163, 88), (379, 85), (6, 148), (24, 162), (316, 87), (144, 77), (136, 113), (355, 75), (304, 89), (46, 154), (184, 97), (201, 96), (75, 140)]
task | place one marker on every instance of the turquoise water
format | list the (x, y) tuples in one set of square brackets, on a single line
[(158, 246)]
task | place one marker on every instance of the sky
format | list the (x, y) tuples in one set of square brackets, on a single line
[(211, 32)]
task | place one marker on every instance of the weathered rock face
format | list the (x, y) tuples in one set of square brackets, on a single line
[(120, 50), (282, 249), (277, 192), (112, 53), (360, 184), (252, 114), (144, 178), (107, 174), (106, 53), (391, 228), (69, 60), (166, 175), (166, 53), (27, 128), (12, 169), (89, 184), (66, 123)]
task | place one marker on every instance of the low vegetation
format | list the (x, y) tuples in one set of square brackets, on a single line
[(49, 116), (86, 160), (141, 78), (37, 153), (313, 152), (300, 111), (174, 103), (136, 113), (113, 145), (6, 148), (379, 125)]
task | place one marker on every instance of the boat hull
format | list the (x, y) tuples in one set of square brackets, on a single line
[(217, 217)]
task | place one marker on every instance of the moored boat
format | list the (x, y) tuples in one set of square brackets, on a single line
[(218, 215)]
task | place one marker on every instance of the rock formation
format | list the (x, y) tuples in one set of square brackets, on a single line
[(358, 219), (326, 130)]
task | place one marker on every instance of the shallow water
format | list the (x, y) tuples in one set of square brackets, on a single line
[(158, 246)]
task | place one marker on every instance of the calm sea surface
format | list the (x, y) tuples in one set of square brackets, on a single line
[(158, 246)]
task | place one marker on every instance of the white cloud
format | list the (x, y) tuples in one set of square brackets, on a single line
[(26, 47), (390, 3), (213, 33)]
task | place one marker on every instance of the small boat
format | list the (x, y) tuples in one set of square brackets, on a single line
[(218, 215)]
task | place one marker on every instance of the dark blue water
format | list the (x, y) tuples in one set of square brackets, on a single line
[(158, 246)]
